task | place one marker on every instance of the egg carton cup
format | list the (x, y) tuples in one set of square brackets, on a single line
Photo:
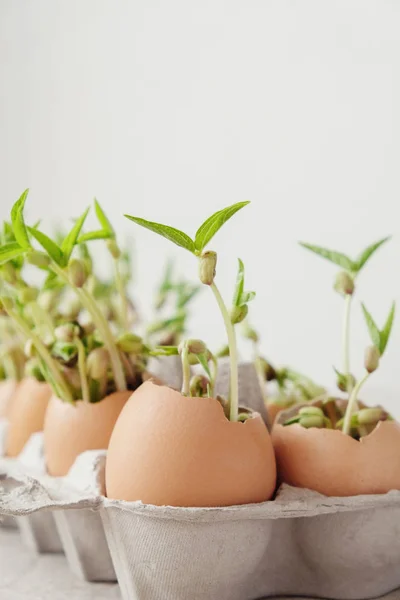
[(301, 543)]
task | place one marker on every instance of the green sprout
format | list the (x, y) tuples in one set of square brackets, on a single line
[(207, 271)]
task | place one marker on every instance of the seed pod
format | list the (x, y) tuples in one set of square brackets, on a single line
[(344, 283), (345, 382), (250, 333), (32, 369), (223, 352), (9, 273), (194, 347), (371, 359), (207, 267), (369, 416), (311, 411), (78, 273), (97, 363), (67, 332), (309, 421), (239, 313), (28, 294), (29, 349), (268, 369), (199, 386), (71, 309), (48, 300), (113, 248), (39, 259), (130, 343)]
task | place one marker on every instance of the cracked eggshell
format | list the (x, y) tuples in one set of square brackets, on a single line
[(8, 388), (71, 429), (26, 414), (334, 464), (168, 449)]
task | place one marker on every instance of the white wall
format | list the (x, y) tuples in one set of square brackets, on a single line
[(170, 110)]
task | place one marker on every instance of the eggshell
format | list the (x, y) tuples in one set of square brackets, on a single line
[(26, 414), (70, 429), (334, 464), (167, 449), (7, 390)]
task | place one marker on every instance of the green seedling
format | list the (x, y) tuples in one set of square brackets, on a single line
[(207, 272)]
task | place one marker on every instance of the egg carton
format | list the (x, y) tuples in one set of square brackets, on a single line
[(302, 543)]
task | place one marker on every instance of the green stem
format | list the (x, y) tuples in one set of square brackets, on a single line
[(346, 341), (102, 325), (82, 370), (186, 371), (259, 370), (124, 312), (214, 374), (51, 364), (234, 379), (352, 404)]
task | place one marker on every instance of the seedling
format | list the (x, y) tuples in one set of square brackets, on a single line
[(207, 272), (345, 285)]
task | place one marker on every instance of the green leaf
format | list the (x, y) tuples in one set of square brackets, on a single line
[(103, 219), (373, 329), (51, 247), (202, 358), (246, 297), (368, 252), (100, 234), (170, 233), (239, 285), (210, 227), (18, 223), (335, 257), (386, 331), (64, 350), (10, 251), (71, 239)]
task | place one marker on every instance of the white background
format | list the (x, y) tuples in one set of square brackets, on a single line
[(171, 110)]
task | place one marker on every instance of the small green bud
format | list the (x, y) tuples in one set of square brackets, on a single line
[(9, 273), (345, 382), (130, 343), (239, 313), (199, 386), (344, 283), (48, 300), (243, 417), (28, 294), (223, 352), (250, 333), (371, 359), (78, 273), (97, 363), (67, 332), (207, 267), (29, 349), (194, 347), (113, 248), (369, 416), (32, 369), (311, 411), (39, 259), (309, 421)]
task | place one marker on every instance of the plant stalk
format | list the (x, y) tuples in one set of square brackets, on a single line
[(352, 403), (124, 312), (82, 370), (51, 364), (346, 341), (186, 371), (233, 357), (102, 325)]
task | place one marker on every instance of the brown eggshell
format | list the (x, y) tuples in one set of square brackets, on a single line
[(334, 464), (167, 449), (26, 414), (70, 429), (7, 390)]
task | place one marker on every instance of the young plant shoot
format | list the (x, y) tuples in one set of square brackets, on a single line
[(345, 286), (207, 272)]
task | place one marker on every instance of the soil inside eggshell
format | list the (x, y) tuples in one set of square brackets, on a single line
[(8, 388), (335, 464), (26, 414), (168, 449), (71, 429)]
